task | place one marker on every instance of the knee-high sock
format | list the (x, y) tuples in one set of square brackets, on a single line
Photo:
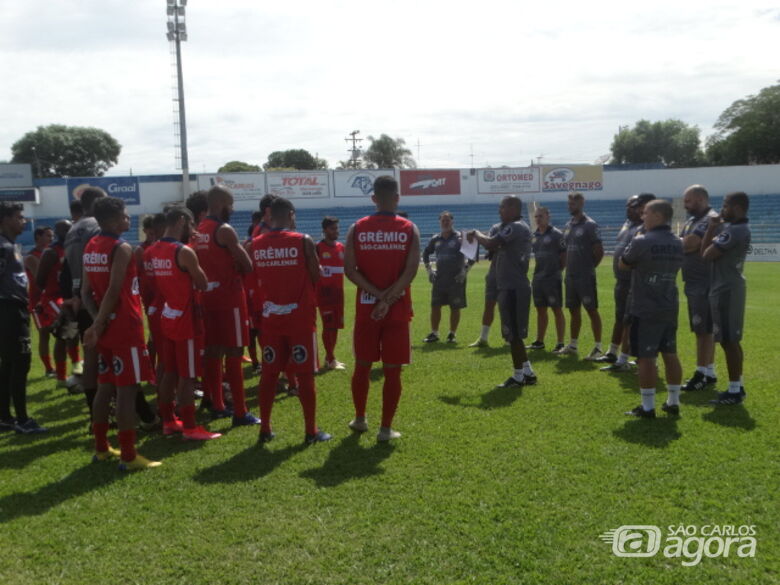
[(212, 382), (391, 394), (127, 444), (235, 377), (188, 416), (307, 394), (360, 382), (167, 411), (46, 359), (266, 395), (73, 353), (329, 337)]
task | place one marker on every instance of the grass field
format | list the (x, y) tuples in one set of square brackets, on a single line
[(486, 486)]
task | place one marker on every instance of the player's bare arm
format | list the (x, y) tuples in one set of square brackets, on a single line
[(31, 264), (708, 250), (45, 265), (598, 253), (122, 257), (227, 237), (188, 260), (350, 267), (312, 262), (86, 297), (691, 243), (490, 244)]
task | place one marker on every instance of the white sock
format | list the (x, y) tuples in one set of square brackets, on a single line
[(598, 345), (735, 387), (613, 348), (702, 369), (527, 370), (485, 332), (435, 332), (710, 371), (452, 333), (622, 359), (573, 343), (648, 398), (674, 394), (518, 375)]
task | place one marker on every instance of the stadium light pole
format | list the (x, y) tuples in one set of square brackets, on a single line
[(177, 33)]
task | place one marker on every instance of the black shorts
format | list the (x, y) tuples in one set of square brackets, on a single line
[(649, 337), (449, 293), (513, 306), (622, 290), (581, 291), (491, 287), (728, 314), (548, 293), (699, 313)]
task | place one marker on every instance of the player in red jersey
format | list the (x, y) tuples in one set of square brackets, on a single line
[(153, 226), (381, 257), (330, 289), (224, 260), (286, 267), (43, 237), (180, 281), (110, 293)]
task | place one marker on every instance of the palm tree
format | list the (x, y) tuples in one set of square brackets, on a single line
[(387, 153)]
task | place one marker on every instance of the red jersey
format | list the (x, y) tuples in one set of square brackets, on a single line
[(146, 277), (34, 289), (330, 286), (51, 291), (288, 292), (382, 242), (125, 326), (155, 303), (182, 316), (226, 289)]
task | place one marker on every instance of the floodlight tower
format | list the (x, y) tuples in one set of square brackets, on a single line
[(177, 33)]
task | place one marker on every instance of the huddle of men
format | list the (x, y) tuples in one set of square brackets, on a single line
[(201, 287)]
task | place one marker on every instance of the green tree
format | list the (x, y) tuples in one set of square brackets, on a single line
[(67, 151), (296, 158), (671, 142), (748, 131), (387, 153), (237, 166)]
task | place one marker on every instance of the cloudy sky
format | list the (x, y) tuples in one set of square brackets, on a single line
[(504, 81)]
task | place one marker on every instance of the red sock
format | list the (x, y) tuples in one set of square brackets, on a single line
[(235, 377), (266, 396), (100, 430), (127, 444), (307, 394), (212, 382), (391, 394), (62, 370), (73, 353), (292, 380), (47, 362), (188, 416), (360, 382), (329, 337), (167, 411)]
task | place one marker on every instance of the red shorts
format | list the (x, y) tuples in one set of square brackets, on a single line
[(385, 341), (183, 357), (227, 327), (47, 312), (299, 349), (332, 317), (153, 316), (124, 366)]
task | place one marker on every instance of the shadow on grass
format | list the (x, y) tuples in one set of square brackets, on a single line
[(434, 347), (350, 461), (253, 462), (28, 448), (731, 416), (572, 363), (656, 433), (495, 398), (158, 446), (489, 352), (698, 397)]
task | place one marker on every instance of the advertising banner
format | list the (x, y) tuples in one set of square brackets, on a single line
[(20, 195), (763, 253), (508, 181), (14, 175), (125, 188), (572, 178), (243, 186), (430, 182), (299, 184), (357, 182)]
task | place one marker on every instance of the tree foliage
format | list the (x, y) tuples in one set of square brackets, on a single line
[(671, 142), (386, 152), (296, 158), (237, 166), (67, 151), (748, 131)]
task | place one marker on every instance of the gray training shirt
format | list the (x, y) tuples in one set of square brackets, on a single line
[(656, 257), (624, 237), (79, 234), (13, 278), (580, 237), (695, 270), (734, 241), (547, 248), (449, 260), (512, 256)]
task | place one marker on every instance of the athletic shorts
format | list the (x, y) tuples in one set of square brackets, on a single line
[(547, 293), (124, 366), (513, 306), (622, 294), (648, 337), (296, 349), (47, 312), (183, 357), (699, 313), (451, 293), (385, 341), (491, 287), (581, 291), (728, 314), (227, 327), (332, 316)]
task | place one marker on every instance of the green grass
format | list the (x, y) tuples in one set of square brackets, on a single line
[(486, 486)]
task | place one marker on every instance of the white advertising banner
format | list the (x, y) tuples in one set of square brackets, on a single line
[(763, 253), (508, 181), (14, 176), (357, 182), (299, 184), (244, 186)]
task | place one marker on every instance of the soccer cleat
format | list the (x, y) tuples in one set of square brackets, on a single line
[(640, 412), (78, 368), (512, 382), (567, 350), (624, 367), (558, 347), (172, 427), (359, 426), (266, 437), (695, 383), (387, 434), (105, 455), (199, 433), (710, 380), (431, 338), (671, 409), (336, 365), (138, 464), (218, 414), (51, 374), (730, 398), (480, 343), (318, 437), (607, 358), (529, 379), (594, 355), (29, 427), (247, 420), (7, 424), (451, 337), (535, 345)]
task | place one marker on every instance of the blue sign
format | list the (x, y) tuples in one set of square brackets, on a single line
[(19, 195), (125, 188)]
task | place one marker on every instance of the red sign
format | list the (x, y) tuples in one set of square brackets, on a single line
[(430, 182)]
